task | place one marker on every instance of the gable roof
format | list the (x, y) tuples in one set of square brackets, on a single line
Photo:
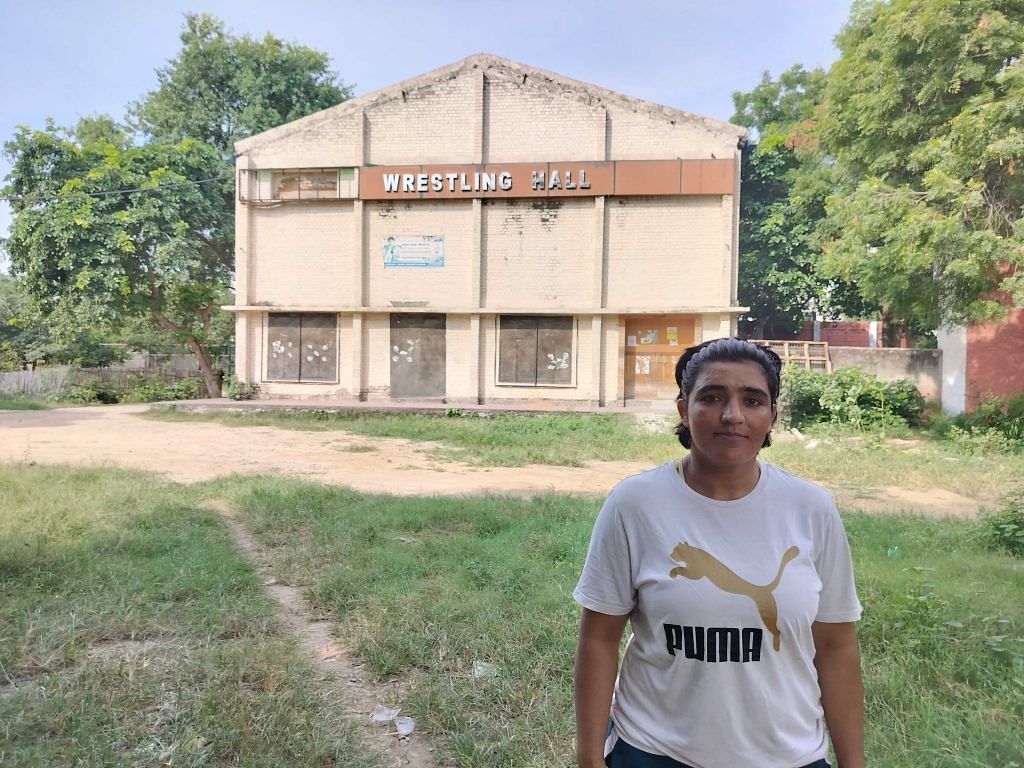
[(587, 93)]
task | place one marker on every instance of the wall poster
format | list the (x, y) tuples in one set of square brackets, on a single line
[(414, 251)]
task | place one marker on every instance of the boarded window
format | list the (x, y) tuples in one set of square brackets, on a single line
[(535, 350), (302, 347), (304, 185)]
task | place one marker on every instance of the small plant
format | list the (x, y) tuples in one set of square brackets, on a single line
[(453, 413), (1004, 530), (240, 390)]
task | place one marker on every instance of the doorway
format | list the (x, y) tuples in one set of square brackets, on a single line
[(653, 345), (417, 355)]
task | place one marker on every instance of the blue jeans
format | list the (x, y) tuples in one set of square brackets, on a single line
[(627, 756)]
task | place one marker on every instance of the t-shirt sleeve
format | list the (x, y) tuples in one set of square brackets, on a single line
[(838, 601), (606, 584)]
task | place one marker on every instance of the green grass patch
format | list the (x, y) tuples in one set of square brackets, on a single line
[(132, 633), (435, 589), (505, 440), (22, 404)]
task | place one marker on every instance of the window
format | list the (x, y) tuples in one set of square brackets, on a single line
[(302, 347), (535, 351), (301, 184)]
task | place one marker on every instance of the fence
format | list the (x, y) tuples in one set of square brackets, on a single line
[(56, 380), (38, 383)]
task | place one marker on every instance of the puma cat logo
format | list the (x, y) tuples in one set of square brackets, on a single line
[(698, 564)]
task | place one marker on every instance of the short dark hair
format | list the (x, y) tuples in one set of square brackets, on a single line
[(725, 351)]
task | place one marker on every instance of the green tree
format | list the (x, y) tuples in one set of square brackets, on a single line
[(93, 256), (222, 87), (924, 116), (103, 233), (785, 182)]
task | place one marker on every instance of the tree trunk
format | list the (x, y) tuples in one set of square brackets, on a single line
[(211, 376)]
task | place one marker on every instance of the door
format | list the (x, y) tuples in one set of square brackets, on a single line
[(653, 345), (417, 355)]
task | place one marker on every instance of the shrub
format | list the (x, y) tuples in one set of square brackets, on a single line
[(1004, 530), (850, 396), (148, 389), (1005, 416), (91, 390), (240, 390)]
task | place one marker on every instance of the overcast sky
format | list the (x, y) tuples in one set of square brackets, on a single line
[(68, 58)]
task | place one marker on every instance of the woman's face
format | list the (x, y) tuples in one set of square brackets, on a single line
[(729, 412)]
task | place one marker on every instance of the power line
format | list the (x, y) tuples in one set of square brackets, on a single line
[(107, 193)]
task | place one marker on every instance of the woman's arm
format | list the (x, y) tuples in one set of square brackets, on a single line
[(597, 662), (837, 657)]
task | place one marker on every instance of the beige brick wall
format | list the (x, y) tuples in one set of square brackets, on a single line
[(538, 253), (435, 123), (377, 345), (447, 286), (303, 254), (666, 252), (460, 356), (525, 123), (641, 135), (328, 143)]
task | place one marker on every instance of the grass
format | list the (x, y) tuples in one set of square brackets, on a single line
[(23, 404), (841, 457), (427, 588), (504, 440), (132, 633)]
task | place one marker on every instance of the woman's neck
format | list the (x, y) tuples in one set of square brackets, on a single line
[(719, 483)]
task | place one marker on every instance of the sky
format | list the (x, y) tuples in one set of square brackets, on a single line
[(66, 59)]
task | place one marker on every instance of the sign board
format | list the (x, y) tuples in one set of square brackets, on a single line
[(414, 251)]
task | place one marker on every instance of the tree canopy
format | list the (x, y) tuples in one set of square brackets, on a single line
[(223, 87), (784, 187), (923, 114), (106, 231)]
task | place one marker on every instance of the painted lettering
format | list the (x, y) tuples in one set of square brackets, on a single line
[(568, 180), (537, 180), (452, 178), (421, 182), (556, 181), (584, 184), (488, 184), (436, 182), (505, 181), (465, 183), (390, 182), (407, 182)]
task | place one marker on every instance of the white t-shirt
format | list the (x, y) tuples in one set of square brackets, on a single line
[(721, 596)]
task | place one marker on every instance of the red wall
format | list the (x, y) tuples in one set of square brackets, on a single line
[(846, 333), (995, 358)]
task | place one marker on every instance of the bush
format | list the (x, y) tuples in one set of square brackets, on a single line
[(91, 390), (1005, 416), (240, 390), (850, 396), (148, 389), (1004, 530)]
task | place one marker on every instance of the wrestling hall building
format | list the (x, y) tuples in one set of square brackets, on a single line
[(485, 233)]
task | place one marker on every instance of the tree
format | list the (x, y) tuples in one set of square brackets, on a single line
[(785, 182), (221, 87), (103, 233), (924, 116)]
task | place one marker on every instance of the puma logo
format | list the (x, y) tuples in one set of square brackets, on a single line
[(698, 564)]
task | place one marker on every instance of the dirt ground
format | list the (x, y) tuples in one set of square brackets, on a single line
[(194, 451)]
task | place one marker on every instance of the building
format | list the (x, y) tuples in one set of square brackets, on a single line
[(486, 232), (982, 360)]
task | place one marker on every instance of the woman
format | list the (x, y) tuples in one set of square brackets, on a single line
[(736, 578)]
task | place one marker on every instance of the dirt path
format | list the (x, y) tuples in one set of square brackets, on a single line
[(335, 663), (196, 451)]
